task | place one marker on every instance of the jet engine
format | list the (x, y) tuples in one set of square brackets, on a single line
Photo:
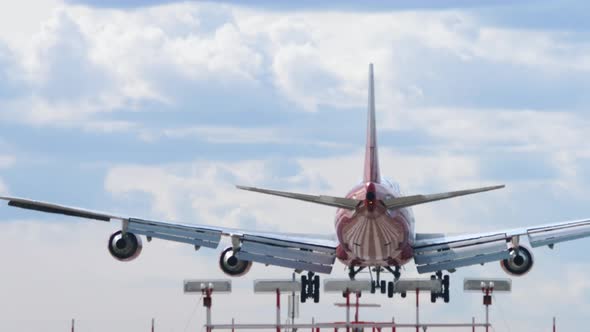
[(232, 265), (125, 247), (520, 262)]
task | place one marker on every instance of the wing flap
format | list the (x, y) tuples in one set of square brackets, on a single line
[(288, 253), (460, 253), (458, 241), (297, 265), (542, 237), (295, 255), (448, 255), (453, 264), (193, 235)]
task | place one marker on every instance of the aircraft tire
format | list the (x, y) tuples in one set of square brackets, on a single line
[(316, 289), (390, 289), (304, 288)]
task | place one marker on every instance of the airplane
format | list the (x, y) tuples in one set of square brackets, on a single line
[(374, 230)]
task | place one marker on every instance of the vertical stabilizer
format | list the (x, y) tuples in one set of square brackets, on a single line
[(371, 158)]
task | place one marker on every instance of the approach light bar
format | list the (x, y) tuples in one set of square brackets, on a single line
[(197, 286), (341, 285), (268, 286), (498, 285), (412, 285)]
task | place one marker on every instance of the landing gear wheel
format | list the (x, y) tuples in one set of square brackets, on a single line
[(304, 285), (316, 289), (433, 294), (446, 282), (373, 286), (383, 286), (404, 295), (310, 287), (390, 289)]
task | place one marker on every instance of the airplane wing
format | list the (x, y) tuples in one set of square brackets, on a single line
[(296, 251), (439, 252)]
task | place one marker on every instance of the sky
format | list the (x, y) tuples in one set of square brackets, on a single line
[(156, 109)]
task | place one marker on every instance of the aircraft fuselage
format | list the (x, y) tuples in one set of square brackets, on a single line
[(371, 235)]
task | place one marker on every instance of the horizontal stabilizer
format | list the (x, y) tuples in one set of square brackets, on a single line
[(339, 202), (406, 201)]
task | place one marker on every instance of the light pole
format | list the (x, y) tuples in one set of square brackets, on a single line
[(206, 288), (276, 287), (416, 285), (487, 287), (348, 287)]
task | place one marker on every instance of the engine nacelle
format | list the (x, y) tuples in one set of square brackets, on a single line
[(519, 263), (125, 248), (232, 265)]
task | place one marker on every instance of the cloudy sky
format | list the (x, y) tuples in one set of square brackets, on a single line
[(157, 108)]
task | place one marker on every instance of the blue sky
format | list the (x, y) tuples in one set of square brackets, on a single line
[(157, 108)]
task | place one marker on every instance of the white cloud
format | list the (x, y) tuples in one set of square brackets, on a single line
[(523, 129), (21, 20), (314, 58), (557, 135), (220, 134), (204, 190)]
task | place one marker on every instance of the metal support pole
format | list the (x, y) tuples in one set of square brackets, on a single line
[(554, 326), (293, 304), (74, 324), (487, 310), (472, 324), (278, 310), (347, 310), (356, 314), (417, 310), (233, 322), (393, 322), (153, 324), (207, 302), (312, 324)]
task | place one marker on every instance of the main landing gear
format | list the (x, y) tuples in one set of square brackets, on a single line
[(383, 286), (310, 287), (444, 293)]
